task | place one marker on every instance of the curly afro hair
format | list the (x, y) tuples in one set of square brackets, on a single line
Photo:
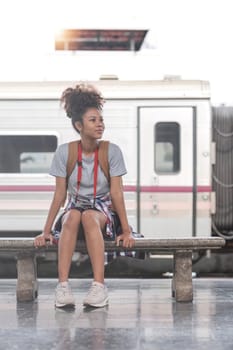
[(77, 100)]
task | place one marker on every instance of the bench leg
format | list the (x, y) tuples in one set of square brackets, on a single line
[(27, 287), (182, 287)]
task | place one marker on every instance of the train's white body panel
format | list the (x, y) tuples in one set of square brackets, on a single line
[(162, 127)]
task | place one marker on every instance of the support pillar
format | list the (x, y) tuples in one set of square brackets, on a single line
[(27, 286), (182, 287)]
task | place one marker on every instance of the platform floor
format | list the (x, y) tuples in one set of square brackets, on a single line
[(141, 316)]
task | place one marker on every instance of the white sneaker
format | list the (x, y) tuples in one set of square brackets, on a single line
[(97, 295), (64, 296)]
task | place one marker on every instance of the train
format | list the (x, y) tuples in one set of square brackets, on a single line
[(177, 148)]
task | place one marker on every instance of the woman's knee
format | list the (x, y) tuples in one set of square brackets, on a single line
[(92, 220), (71, 220)]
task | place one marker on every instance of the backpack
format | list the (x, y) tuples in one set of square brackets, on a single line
[(72, 159), (102, 158)]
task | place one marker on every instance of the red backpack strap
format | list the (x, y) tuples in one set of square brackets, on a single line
[(103, 158)]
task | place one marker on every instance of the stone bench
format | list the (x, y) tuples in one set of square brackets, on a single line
[(181, 248)]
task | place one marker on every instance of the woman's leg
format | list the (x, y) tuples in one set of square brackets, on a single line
[(93, 223), (67, 242)]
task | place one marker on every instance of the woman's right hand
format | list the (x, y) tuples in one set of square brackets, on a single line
[(43, 239)]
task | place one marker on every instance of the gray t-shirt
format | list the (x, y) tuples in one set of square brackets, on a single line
[(116, 168)]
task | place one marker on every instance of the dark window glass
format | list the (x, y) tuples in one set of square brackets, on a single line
[(26, 153), (167, 148)]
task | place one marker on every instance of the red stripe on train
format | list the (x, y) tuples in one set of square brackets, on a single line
[(163, 189), (170, 189)]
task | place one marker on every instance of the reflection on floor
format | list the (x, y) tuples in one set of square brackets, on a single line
[(141, 316)]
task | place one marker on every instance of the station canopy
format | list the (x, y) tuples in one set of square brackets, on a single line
[(100, 39)]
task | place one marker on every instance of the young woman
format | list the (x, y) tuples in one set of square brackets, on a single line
[(91, 196)]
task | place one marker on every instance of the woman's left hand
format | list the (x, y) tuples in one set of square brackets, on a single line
[(127, 240)]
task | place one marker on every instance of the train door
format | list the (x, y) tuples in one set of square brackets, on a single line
[(166, 179)]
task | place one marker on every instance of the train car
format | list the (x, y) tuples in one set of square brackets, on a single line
[(164, 129)]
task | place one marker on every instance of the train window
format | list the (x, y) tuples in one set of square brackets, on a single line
[(35, 162), (167, 147), (26, 153)]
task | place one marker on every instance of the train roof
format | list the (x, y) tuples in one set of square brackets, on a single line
[(110, 88)]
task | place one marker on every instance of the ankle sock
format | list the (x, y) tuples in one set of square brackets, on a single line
[(99, 284), (63, 284)]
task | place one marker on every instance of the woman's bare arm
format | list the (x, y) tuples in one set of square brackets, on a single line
[(57, 201), (117, 196)]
